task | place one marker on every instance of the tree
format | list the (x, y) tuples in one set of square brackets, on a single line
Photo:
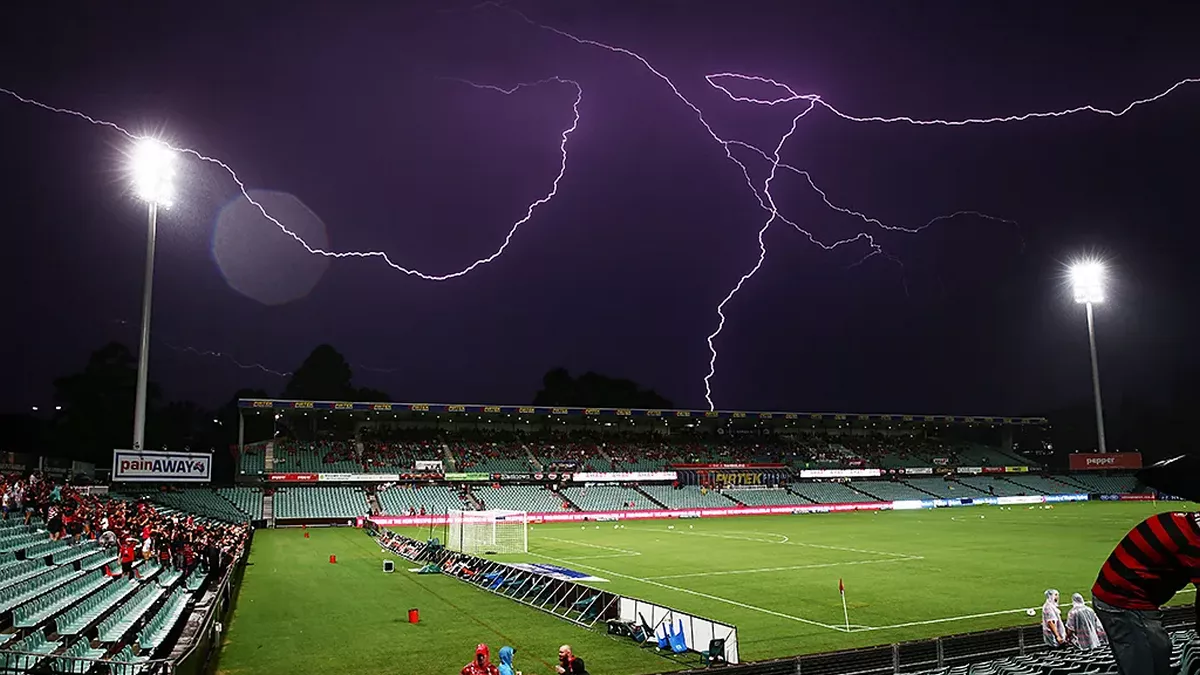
[(324, 376), (372, 395), (592, 390), (97, 404)]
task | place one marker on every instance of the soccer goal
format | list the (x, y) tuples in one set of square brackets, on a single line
[(488, 531)]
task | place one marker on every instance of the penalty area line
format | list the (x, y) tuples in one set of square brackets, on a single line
[(785, 569), (735, 603)]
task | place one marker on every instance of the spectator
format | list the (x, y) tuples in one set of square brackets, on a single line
[(568, 663), (506, 661), (1148, 567), (1083, 626), (128, 553), (1052, 624), (481, 665)]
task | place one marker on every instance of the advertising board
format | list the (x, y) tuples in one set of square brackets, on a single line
[(164, 467), (1102, 461)]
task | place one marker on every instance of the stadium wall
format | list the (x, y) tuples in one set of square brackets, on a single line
[(656, 514)]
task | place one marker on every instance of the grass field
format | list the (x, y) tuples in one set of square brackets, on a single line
[(908, 575)]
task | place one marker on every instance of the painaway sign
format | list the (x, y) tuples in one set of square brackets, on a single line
[(164, 467)]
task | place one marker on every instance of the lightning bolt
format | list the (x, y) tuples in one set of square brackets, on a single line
[(364, 254), (765, 199), (227, 357)]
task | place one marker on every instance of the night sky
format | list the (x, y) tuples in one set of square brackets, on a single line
[(346, 122)]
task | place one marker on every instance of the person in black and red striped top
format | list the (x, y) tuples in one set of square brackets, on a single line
[(1156, 560)]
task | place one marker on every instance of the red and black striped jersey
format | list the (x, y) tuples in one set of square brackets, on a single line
[(1156, 560)]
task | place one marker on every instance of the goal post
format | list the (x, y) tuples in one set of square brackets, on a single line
[(493, 531)]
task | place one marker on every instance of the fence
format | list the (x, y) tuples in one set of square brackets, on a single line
[(922, 655)]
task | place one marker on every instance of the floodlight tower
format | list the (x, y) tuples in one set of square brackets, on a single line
[(1087, 282), (153, 175)]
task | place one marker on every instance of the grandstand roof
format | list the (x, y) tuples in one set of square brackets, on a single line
[(475, 408)]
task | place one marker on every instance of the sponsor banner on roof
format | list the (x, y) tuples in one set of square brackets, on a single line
[(941, 461), (918, 471), (292, 477), (969, 470), (1016, 469), (151, 466), (358, 477), (730, 466), (609, 477), (993, 469), (840, 473), (471, 475), (434, 465), (1099, 461)]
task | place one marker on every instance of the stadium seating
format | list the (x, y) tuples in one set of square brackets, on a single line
[(434, 498), (201, 501), (689, 497), (1116, 485), (81, 649), (50, 603), (159, 626), (884, 490), (1072, 661), (940, 487), (320, 502), (34, 643), (15, 594), (80, 616), (320, 457), (115, 625), (764, 497), (252, 461), (518, 498), (997, 486), (247, 500), (828, 493), (493, 457), (606, 498), (1041, 485)]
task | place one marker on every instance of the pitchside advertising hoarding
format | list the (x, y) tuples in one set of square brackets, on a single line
[(1102, 461), (161, 467)]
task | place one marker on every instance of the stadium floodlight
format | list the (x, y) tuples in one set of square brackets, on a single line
[(153, 168), (493, 531), (1087, 285), (1087, 281)]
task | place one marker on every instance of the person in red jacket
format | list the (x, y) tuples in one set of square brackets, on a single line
[(481, 665), (128, 552)]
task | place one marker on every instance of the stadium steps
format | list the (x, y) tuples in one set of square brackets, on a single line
[(268, 513), (533, 458), (373, 502), (865, 493), (1072, 481), (925, 492), (448, 459), (651, 499), (269, 457), (470, 501), (800, 499), (565, 499), (731, 497)]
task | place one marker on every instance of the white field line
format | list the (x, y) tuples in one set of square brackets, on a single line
[(789, 543), (621, 553), (784, 569), (706, 596), (965, 618)]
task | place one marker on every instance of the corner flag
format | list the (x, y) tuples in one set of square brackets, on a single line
[(845, 611)]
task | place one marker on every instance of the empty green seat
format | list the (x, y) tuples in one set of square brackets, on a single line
[(125, 662), (97, 560), (79, 617), (195, 580), (26, 569), (79, 657), (24, 591), (57, 600), (159, 626), (125, 616), (77, 552), (35, 643)]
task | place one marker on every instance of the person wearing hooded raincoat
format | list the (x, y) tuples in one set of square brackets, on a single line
[(1053, 631), (506, 661), (482, 664), (1083, 626)]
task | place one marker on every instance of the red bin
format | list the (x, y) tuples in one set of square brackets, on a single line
[(414, 615)]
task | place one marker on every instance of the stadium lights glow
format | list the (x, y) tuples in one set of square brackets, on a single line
[(1087, 281), (153, 165)]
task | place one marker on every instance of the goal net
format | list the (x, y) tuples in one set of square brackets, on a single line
[(492, 531)]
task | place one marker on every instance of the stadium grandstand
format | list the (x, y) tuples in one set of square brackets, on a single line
[(77, 597)]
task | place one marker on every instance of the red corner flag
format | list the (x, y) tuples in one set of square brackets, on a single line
[(841, 587)]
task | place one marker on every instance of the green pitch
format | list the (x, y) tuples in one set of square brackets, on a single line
[(908, 575)]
